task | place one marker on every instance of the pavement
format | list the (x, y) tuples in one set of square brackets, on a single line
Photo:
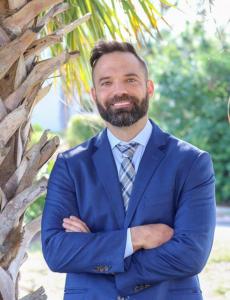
[(223, 216)]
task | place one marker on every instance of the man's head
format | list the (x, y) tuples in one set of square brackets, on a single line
[(103, 47), (121, 86)]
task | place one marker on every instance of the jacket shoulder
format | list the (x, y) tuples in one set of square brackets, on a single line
[(82, 150), (184, 148)]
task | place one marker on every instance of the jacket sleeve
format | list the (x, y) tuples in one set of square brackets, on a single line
[(101, 252), (187, 252)]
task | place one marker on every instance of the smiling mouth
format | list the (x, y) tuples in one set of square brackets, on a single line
[(122, 104)]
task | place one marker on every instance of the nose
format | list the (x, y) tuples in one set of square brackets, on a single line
[(119, 89)]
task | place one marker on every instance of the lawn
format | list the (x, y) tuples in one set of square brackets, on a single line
[(215, 278)]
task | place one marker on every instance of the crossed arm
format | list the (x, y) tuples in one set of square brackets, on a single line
[(143, 237), (161, 253)]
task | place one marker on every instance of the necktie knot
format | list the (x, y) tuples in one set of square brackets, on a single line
[(127, 150)]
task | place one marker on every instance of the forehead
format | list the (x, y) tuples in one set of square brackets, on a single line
[(118, 63)]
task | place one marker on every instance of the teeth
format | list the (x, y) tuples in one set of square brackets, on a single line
[(122, 103)]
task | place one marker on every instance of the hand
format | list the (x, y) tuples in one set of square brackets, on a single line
[(150, 236), (74, 224)]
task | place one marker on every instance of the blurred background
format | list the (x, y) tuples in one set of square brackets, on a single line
[(190, 65)]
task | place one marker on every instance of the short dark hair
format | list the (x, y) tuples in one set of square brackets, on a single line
[(104, 47)]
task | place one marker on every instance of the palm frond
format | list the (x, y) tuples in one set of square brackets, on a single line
[(122, 20)]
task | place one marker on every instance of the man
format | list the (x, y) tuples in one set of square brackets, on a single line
[(130, 213)]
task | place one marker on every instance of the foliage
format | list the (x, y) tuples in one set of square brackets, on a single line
[(123, 20), (192, 76), (82, 127)]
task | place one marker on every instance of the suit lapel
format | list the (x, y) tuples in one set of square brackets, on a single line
[(154, 153), (107, 173)]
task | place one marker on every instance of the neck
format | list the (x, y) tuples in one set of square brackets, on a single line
[(128, 133)]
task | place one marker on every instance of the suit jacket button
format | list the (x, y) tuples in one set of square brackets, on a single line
[(106, 268), (97, 269), (137, 288)]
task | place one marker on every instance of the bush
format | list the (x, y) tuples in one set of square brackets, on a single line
[(83, 127), (192, 75)]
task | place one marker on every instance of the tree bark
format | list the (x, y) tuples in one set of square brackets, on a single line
[(37, 295), (21, 87), (18, 21), (12, 51)]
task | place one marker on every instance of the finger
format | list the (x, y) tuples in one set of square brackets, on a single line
[(74, 220), (79, 220), (76, 224), (72, 228)]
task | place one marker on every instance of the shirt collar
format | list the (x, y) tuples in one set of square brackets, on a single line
[(141, 138)]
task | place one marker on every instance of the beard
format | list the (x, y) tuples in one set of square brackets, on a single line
[(123, 117)]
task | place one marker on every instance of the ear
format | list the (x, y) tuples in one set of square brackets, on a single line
[(93, 94), (150, 88)]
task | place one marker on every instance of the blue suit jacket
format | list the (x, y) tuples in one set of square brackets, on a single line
[(174, 185)]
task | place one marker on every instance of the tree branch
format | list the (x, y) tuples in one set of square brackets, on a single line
[(3, 111), (3, 200), (13, 50), (18, 21), (3, 153), (16, 207), (4, 39), (21, 72), (11, 123), (7, 287), (48, 150), (27, 169), (70, 27), (16, 4), (39, 294), (39, 45), (57, 9), (30, 230), (41, 71)]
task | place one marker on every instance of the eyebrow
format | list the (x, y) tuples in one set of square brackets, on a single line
[(126, 75), (132, 74), (104, 78)]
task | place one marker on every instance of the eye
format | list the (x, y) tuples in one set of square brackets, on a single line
[(131, 80), (106, 83)]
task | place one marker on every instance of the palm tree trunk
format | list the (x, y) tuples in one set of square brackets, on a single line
[(21, 78)]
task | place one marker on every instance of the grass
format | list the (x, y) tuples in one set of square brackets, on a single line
[(214, 278)]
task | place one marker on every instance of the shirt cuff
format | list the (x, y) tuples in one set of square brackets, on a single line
[(129, 245)]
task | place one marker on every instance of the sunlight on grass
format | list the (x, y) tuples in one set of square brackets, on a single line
[(215, 276)]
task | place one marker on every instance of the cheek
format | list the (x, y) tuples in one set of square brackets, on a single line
[(101, 98), (138, 89), (104, 94), (101, 91)]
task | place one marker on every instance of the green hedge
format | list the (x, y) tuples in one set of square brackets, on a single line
[(82, 127)]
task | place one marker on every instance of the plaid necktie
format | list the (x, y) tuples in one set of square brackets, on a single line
[(127, 170)]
